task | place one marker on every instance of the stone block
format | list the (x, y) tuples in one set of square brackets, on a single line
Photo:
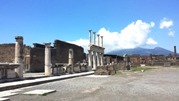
[(167, 64), (84, 69), (76, 69), (110, 68), (89, 68), (11, 73), (104, 67), (113, 72)]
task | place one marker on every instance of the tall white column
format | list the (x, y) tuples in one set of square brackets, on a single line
[(94, 60), (70, 59), (19, 55), (94, 37), (89, 58), (90, 37), (98, 40), (48, 64), (101, 41), (98, 59), (101, 56)]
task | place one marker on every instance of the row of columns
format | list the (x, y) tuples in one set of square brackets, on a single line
[(95, 58), (94, 36)]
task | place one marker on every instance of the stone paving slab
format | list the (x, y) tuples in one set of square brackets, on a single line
[(4, 99), (25, 83), (39, 92)]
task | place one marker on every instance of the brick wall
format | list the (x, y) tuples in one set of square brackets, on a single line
[(7, 52), (62, 49)]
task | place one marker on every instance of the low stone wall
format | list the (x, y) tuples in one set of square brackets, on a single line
[(106, 70), (64, 68), (7, 71)]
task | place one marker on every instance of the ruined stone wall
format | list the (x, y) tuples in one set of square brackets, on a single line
[(62, 49), (34, 57), (59, 54), (7, 52), (37, 59)]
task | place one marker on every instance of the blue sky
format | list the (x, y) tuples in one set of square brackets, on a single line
[(123, 23)]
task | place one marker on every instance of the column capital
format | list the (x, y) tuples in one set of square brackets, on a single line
[(18, 38), (47, 44), (90, 30)]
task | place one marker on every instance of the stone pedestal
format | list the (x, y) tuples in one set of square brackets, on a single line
[(19, 56), (48, 64)]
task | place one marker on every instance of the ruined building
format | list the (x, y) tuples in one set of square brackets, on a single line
[(34, 56)]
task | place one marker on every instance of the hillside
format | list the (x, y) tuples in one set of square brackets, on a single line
[(142, 51)]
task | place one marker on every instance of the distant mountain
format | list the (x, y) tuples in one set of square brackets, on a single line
[(142, 51)]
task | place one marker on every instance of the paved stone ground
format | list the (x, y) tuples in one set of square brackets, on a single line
[(153, 85)]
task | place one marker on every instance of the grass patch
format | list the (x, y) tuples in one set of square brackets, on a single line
[(141, 68)]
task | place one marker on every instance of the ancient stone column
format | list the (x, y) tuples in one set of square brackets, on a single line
[(98, 40), (101, 41), (98, 59), (94, 60), (94, 37), (89, 58), (19, 55), (175, 52), (90, 37), (102, 60), (48, 64), (70, 59)]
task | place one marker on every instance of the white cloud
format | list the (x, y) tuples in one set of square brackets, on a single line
[(165, 23), (171, 33), (151, 41), (132, 36), (81, 42), (152, 24)]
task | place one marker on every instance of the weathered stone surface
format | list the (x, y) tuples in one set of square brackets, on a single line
[(113, 72), (77, 69), (106, 70), (167, 64), (110, 68), (11, 73)]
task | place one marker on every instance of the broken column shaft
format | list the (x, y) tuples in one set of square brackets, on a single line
[(19, 55)]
